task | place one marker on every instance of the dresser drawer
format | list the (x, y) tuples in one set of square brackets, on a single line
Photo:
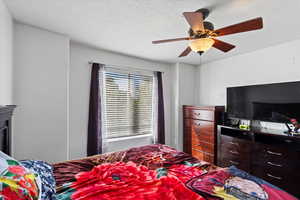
[(198, 137), (230, 154), (232, 147), (235, 144), (236, 147), (287, 180), (200, 155), (204, 146), (205, 126), (266, 157), (203, 131), (207, 115), (277, 177), (265, 154), (263, 149)]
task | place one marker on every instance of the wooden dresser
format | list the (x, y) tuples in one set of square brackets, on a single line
[(199, 131), (267, 154)]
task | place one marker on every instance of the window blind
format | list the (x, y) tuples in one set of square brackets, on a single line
[(128, 104)]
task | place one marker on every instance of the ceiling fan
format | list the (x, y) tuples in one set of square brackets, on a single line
[(202, 35)]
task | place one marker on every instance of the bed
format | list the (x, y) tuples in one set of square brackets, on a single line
[(142, 173), (156, 172)]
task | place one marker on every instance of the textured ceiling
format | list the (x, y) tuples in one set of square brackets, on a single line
[(129, 26)]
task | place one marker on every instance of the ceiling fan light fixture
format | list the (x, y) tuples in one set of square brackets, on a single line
[(201, 45)]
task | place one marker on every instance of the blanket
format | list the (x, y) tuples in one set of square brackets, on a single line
[(151, 156), (129, 181), (154, 172)]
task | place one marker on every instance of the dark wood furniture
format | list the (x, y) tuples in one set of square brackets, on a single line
[(5, 128), (267, 154), (199, 131)]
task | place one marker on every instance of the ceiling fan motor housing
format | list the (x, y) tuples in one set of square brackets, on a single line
[(204, 11), (207, 25), (209, 31)]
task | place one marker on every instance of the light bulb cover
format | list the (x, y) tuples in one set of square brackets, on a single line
[(202, 44)]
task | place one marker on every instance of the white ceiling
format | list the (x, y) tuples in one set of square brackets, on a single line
[(129, 26)]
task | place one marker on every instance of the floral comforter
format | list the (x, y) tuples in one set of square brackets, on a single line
[(151, 156), (148, 172), (128, 181), (156, 172)]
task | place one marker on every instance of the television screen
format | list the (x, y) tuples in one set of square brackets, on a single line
[(271, 102)]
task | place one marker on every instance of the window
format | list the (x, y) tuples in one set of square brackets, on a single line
[(128, 104)]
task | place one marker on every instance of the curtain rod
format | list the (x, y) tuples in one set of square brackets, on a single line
[(118, 67)]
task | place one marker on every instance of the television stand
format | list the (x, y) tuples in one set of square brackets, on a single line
[(266, 153)]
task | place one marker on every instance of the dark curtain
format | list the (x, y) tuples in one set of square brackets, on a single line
[(161, 110), (94, 142)]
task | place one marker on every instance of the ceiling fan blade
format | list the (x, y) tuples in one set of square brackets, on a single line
[(223, 46), (195, 19), (170, 40), (185, 52), (250, 25)]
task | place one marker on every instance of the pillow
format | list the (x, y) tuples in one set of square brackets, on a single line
[(45, 172), (16, 181), (232, 183)]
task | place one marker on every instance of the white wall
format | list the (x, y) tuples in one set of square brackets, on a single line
[(183, 94), (6, 55), (53, 95), (51, 89), (41, 94), (79, 94), (279, 63)]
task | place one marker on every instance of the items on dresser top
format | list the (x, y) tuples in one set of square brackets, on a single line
[(199, 128), (268, 154)]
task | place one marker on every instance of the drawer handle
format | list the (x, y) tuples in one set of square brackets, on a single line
[(275, 177), (234, 152), (234, 143), (273, 164), (274, 153), (233, 162)]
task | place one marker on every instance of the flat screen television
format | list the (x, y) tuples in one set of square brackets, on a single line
[(270, 102)]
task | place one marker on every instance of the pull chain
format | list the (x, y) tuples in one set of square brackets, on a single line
[(200, 60)]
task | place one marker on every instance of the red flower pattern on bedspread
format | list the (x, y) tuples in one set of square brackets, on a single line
[(185, 172), (127, 181), (152, 156)]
